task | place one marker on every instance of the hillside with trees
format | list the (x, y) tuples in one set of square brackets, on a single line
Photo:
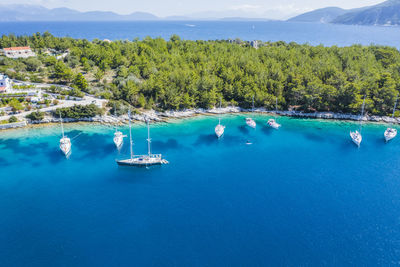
[(179, 74)]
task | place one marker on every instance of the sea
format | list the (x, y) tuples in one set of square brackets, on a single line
[(303, 195), (310, 33)]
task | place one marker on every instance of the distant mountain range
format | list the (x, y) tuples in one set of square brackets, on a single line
[(18, 12), (39, 13), (386, 13)]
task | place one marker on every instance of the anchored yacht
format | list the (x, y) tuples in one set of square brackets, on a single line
[(272, 122), (118, 139), (65, 142), (356, 136), (219, 129), (142, 160), (390, 132), (118, 135), (249, 121)]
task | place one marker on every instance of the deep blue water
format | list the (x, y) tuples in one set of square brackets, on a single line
[(312, 33), (300, 196)]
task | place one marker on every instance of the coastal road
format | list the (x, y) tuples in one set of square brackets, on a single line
[(87, 100)]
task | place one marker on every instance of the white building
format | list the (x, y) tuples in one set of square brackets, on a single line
[(5, 83), (18, 52), (254, 44)]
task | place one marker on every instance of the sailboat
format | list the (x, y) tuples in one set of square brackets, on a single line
[(249, 121), (118, 137), (391, 133), (219, 129), (356, 136), (65, 142), (272, 122), (142, 160)]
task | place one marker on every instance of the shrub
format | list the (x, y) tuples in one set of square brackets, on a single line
[(36, 116), (12, 119)]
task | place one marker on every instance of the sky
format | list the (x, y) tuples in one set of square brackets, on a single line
[(272, 9)]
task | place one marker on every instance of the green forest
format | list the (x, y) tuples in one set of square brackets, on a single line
[(179, 74)]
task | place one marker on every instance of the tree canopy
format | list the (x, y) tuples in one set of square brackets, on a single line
[(178, 74)]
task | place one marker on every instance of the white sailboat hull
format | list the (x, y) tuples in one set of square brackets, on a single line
[(272, 123), (390, 133), (251, 123), (356, 138), (65, 146), (219, 130), (143, 161), (118, 139)]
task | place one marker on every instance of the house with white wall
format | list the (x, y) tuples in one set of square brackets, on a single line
[(5, 83), (18, 52)]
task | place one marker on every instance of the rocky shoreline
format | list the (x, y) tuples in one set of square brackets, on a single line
[(167, 115)]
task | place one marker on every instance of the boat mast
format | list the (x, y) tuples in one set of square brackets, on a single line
[(130, 132), (394, 110), (219, 117), (115, 113), (148, 138), (362, 112), (252, 109), (62, 127), (276, 105)]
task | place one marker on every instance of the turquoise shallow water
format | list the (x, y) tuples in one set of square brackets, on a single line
[(303, 195)]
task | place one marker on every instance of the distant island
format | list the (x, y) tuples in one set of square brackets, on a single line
[(175, 74), (384, 14)]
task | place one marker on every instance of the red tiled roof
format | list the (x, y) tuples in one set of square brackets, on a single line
[(17, 48)]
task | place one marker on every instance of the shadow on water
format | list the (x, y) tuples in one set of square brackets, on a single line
[(244, 129), (379, 142), (206, 139), (134, 175), (169, 144), (233, 139), (267, 130), (28, 150), (55, 156), (95, 146), (4, 163), (346, 145), (314, 137)]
